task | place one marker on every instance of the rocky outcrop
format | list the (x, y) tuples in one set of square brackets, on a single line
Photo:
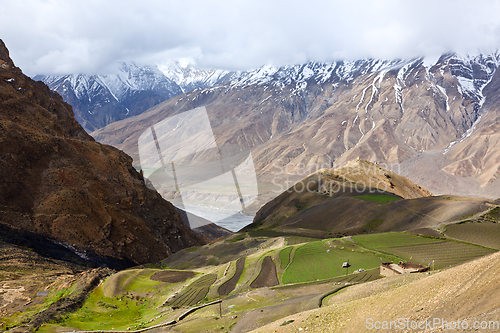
[(57, 182)]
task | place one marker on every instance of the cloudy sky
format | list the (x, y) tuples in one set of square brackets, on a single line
[(90, 36)]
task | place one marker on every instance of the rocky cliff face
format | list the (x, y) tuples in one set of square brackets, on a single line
[(56, 181)]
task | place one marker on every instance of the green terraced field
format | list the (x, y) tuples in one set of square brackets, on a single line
[(137, 280), (130, 299), (285, 256), (195, 292), (482, 233), (106, 313), (444, 253), (392, 239), (323, 260), (126, 299)]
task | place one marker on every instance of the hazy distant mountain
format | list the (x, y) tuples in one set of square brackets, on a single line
[(99, 100), (396, 112)]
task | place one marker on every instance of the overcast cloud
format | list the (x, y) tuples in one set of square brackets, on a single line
[(90, 36)]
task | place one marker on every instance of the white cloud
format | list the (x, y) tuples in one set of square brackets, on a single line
[(56, 36)]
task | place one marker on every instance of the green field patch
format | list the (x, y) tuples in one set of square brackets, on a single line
[(193, 293), (111, 313), (481, 233), (392, 239), (136, 280), (441, 254), (323, 260), (285, 256), (378, 198), (127, 300), (141, 282)]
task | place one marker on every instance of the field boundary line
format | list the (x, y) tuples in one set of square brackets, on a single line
[(291, 256), (225, 273), (376, 251), (320, 301)]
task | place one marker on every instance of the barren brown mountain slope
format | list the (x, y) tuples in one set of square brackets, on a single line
[(361, 197), (477, 156), (57, 182), (468, 292)]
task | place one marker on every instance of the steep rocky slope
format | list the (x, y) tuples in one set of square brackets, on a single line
[(56, 181), (476, 156)]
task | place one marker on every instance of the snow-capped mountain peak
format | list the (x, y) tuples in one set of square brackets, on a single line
[(98, 100), (190, 78)]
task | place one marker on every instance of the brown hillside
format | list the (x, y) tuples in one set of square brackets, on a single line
[(360, 197), (57, 182), (375, 177)]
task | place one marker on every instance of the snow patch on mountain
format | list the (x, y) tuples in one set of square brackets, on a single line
[(189, 78)]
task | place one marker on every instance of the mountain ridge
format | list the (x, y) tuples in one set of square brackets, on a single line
[(360, 197), (98, 100), (57, 182)]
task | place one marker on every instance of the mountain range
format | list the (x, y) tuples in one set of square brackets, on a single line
[(98, 100), (65, 196), (433, 121), (348, 156)]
